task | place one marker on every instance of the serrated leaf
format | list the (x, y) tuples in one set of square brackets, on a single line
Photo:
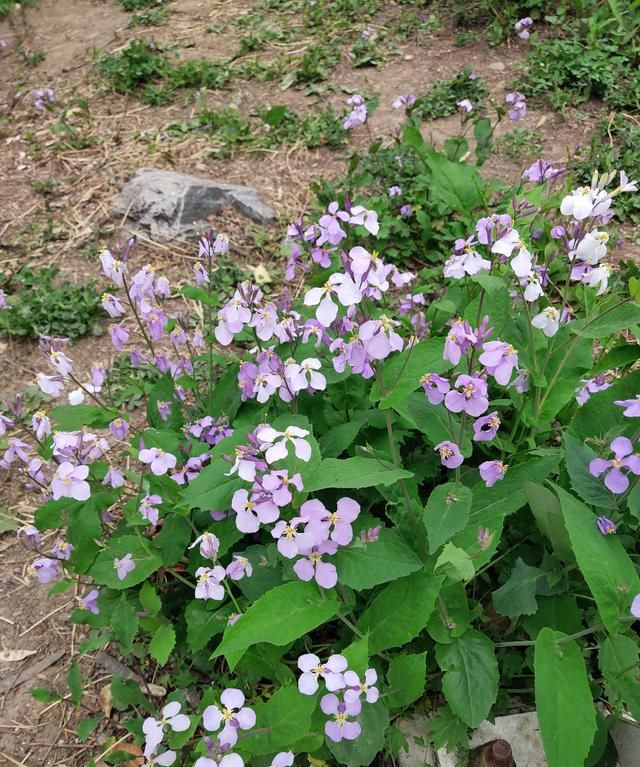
[(446, 513), (162, 644), (149, 599), (563, 700), (446, 730), (470, 681), (74, 683), (86, 727)]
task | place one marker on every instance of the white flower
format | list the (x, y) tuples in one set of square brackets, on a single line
[(533, 291), (584, 202), (363, 262), (548, 321), (340, 285), (591, 248), (276, 449), (626, 185), (301, 376), (367, 218), (76, 397), (469, 262), (523, 262), (598, 278), (154, 728)]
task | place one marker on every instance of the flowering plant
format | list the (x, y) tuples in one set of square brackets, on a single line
[(384, 495)]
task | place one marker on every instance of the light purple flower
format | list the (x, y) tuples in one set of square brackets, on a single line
[(485, 538), (338, 521), (239, 568), (541, 171), (31, 534), (278, 483), (148, 508), (209, 545), (154, 728), (516, 104), (341, 727), (40, 423), (590, 386), (470, 396), (492, 471), (313, 670), (522, 27), (355, 688), (499, 359), (360, 216), (379, 338), (253, 510), (69, 482), (119, 336), (159, 461), (209, 583), (632, 406), (233, 716), (624, 458), (44, 569), (312, 565), (606, 526), (435, 387), (635, 606), (305, 375), (283, 759), (51, 385), (465, 106), (277, 449), (339, 285), (406, 210), (62, 550), (486, 427), (90, 601), (450, 455), (404, 101), (124, 566), (394, 191), (291, 541), (165, 759)]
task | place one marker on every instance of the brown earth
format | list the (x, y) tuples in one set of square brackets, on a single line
[(126, 135)]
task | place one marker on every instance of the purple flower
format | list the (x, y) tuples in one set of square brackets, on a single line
[(450, 455), (119, 336), (148, 508), (313, 670), (361, 216), (624, 458), (590, 386), (69, 482), (606, 526), (32, 535), (154, 728), (341, 728), (240, 567), (499, 360), (62, 550), (292, 542), (632, 406), (471, 396), (492, 471), (404, 101), (406, 210), (355, 687), (517, 105), (276, 449), (44, 569), (283, 759), (112, 305), (539, 172), (159, 461), (486, 428), (465, 106), (209, 545), (522, 27), (379, 338), (358, 115), (234, 716), (124, 566), (44, 97), (312, 566), (635, 606), (339, 285), (395, 191), (340, 520), (209, 583), (277, 484), (253, 510), (485, 537), (90, 601)]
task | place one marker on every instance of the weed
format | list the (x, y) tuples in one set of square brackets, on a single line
[(30, 58), (6, 6), (365, 52), (39, 305), (519, 143), (139, 5), (152, 18), (442, 98), (313, 67), (139, 64), (464, 39)]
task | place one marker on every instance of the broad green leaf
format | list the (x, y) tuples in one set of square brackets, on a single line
[(149, 599), (606, 567), (362, 566), (86, 727), (452, 618), (281, 615), (406, 676), (265, 575), (619, 660), (374, 721), (447, 730), (400, 612), (173, 538), (146, 560), (455, 563), (446, 513), (124, 623), (357, 654), (565, 367), (74, 683), (226, 395), (74, 417), (402, 373), (125, 693), (286, 716), (518, 595), (85, 528), (470, 681), (334, 441), (599, 417), (559, 612), (212, 488), (546, 509), (430, 419), (204, 623), (578, 455), (162, 644), (608, 321), (563, 700), (353, 473)]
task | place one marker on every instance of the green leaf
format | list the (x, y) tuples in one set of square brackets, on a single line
[(607, 569), (453, 617), (173, 538), (547, 512), (281, 615), (146, 560), (286, 716), (599, 418), (402, 373), (124, 623), (406, 677), (357, 654), (149, 599), (518, 595), (559, 612), (446, 513), (470, 681), (578, 455), (164, 390), (455, 563), (446, 730), (162, 644), (563, 700), (400, 612), (427, 418), (365, 566), (374, 721), (125, 693), (619, 660), (353, 473), (203, 623), (86, 727), (610, 320), (334, 441), (74, 683), (74, 417)]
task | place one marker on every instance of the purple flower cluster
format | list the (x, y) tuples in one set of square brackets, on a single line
[(516, 105), (523, 26), (358, 114)]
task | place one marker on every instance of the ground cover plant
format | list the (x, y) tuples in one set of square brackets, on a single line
[(359, 496)]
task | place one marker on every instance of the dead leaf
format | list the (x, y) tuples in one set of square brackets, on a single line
[(261, 275), (155, 690), (106, 703), (12, 656)]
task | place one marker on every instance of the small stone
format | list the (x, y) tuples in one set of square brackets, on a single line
[(174, 205), (497, 66)]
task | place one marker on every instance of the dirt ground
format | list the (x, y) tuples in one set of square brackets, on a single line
[(78, 202)]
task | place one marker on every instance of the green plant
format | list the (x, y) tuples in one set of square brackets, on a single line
[(152, 18), (30, 58), (6, 6), (519, 143), (313, 67), (141, 63), (442, 98), (138, 5), (41, 304)]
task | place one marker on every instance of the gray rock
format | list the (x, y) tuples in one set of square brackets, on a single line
[(497, 66), (175, 205)]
